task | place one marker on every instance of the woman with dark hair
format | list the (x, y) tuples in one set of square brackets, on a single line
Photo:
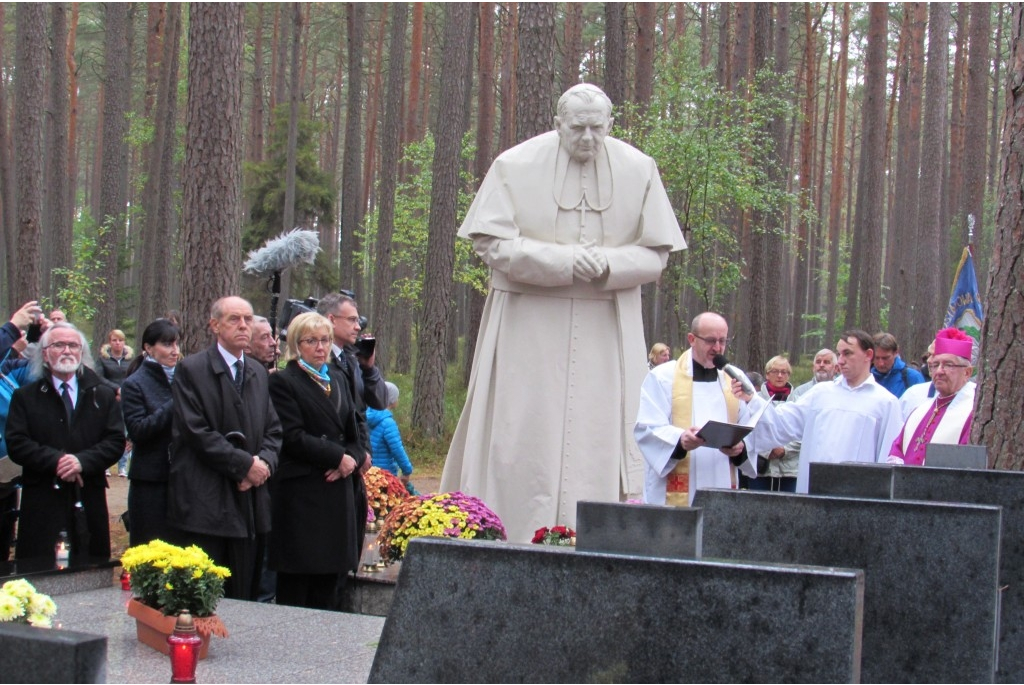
[(147, 407), (317, 496)]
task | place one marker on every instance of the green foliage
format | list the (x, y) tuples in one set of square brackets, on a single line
[(428, 454), (714, 153), (265, 186), (409, 242), (83, 284)]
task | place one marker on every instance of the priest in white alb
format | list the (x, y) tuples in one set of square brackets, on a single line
[(676, 400), (947, 418), (571, 224)]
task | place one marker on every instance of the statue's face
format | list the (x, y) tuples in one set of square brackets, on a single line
[(583, 128)]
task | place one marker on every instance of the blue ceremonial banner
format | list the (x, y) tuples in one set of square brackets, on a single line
[(964, 311)]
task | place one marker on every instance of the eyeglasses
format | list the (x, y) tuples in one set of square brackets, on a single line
[(935, 366), (316, 342), (69, 346), (784, 372), (350, 319), (724, 342)]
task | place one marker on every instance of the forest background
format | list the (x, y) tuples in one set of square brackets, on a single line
[(825, 160)]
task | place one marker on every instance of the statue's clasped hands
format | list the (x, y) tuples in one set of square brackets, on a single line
[(589, 261)]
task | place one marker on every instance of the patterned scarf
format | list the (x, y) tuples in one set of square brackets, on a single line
[(168, 370), (322, 378)]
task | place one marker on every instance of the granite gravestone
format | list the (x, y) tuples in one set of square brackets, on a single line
[(641, 529), (931, 599), (37, 655), (468, 611), (983, 486)]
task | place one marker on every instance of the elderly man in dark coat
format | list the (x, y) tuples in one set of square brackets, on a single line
[(225, 438), (65, 430)]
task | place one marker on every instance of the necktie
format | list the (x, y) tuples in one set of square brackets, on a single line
[(65, 394), (239, 376)]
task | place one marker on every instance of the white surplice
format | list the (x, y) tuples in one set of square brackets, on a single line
[(835, 423), (658, 437)]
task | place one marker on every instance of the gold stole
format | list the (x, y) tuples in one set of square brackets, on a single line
[(677, 489)]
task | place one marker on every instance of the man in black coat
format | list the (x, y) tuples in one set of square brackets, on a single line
[(225, 440), (65, 430), (365, 383)]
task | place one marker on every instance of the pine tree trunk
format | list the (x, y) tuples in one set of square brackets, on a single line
[(929, 303), (998, 420), (535, 73), (974, 121), (212, 174), (159, 225), (114, 169), (864, 293), (572, 48), (903, 232), (391, 138), (836, 191), (351, 182), (8, 210), (615, 52), (431, 364), (28, 155), (57, 230), (484, 157)]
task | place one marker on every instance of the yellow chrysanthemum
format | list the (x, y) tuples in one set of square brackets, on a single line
[(10, 607)]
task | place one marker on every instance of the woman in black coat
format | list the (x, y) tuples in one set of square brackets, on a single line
[(317, 497), (148, 409)]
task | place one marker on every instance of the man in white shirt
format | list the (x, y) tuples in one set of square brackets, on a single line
[(852, 419)]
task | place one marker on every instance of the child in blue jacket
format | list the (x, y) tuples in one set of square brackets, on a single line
[(385, 440)]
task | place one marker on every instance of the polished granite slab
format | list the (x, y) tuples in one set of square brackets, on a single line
[(268, 643)]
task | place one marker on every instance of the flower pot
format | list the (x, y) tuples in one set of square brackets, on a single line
[(152, 628)]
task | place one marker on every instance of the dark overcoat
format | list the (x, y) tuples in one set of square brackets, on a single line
[(148, 409), (38, 435), (318, 526), (206, 468)]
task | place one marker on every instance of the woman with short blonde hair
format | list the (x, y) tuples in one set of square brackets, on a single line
[(319, 512)]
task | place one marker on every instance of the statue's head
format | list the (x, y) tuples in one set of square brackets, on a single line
[(584, 119)]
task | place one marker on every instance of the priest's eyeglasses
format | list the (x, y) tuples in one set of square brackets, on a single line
[(935, 366), (724, 342)]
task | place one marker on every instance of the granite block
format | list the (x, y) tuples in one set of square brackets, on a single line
[(931, 599), (268, 643), (638, 529), (482, 612), (982, 486), (38, 655), (837, 480), (956, 456)]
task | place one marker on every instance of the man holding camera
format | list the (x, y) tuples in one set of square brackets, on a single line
[(367, 385)]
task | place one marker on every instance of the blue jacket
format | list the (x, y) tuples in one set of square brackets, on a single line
[(386, 442), (899, 378)]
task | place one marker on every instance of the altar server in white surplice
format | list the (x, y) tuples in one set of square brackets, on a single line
[(851, 419), (675, 401), (571, 224)]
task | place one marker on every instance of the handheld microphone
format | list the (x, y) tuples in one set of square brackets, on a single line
[(722, 364)]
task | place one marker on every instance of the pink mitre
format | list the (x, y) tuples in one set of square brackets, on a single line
[(953, 341)]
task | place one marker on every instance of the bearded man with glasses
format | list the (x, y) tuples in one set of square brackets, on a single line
[(65, 430), (947, 419)]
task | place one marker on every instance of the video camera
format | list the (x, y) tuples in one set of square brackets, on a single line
[(293, 308)]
